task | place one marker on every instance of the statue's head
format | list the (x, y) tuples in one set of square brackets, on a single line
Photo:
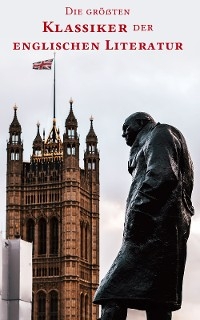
[(134, 124)]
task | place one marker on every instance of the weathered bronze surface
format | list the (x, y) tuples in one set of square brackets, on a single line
[(148, 270)]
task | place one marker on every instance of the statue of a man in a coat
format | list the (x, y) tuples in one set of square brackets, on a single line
[(147, 273)]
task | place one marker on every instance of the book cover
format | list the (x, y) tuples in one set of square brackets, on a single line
[(113, 58)]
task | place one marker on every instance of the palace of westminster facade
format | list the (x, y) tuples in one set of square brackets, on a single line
[(54, 204)]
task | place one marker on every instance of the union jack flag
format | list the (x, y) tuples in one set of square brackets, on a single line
[(43, 65)]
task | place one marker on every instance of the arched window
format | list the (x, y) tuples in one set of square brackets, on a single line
[(42, 228), (82, 239), (86, 241), (91, 148), (71, 133), (93, 165), (73, 150), (12, 155), (38, 152), (30, 231), (54, 236), (41, 305), (69, 149), (17, 155), (84, 229), (86, 308), (15, 138), (82, 307), (89, 165), (53, 305), (32, 307)]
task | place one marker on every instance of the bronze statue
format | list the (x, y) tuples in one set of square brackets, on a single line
[(148, 271)]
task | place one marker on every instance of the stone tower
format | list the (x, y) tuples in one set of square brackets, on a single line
[(54, 203)]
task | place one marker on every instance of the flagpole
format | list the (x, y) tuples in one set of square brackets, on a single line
[(54, 88)]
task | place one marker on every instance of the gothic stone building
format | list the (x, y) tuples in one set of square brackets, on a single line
[(54, 203)]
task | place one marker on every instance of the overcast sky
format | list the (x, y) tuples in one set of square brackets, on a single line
[(110, 85)]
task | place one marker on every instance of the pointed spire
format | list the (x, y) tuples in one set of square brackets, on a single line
[(15, 125), (54, 135), (37, 143), (91, 136), (71, 102), (54, 130), (91, 155), (44, 134), (38, 138), (54, 122), (71, 120), (47, 148)]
